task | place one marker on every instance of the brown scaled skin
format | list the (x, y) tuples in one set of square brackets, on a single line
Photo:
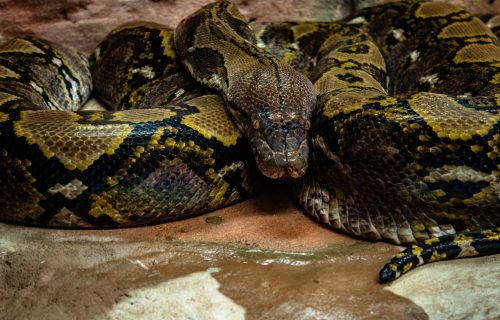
[(272, 105), (270, 102)]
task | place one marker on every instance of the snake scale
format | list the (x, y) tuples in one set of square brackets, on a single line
[(386, 124)]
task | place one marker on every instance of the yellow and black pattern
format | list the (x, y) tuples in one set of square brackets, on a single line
[(391, 130), (43, 75), (405, 136), (174, 153), (453, 246), (270, 102)]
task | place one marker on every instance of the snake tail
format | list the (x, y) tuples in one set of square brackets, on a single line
[(453, 246)]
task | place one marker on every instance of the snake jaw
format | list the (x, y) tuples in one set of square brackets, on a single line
[(282, 107), (278, 161)]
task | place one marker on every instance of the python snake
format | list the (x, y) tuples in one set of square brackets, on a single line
[(387, 125)]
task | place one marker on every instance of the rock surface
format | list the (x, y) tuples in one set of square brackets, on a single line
[(261, 258)]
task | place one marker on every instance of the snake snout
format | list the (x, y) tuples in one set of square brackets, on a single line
[(282, 158)]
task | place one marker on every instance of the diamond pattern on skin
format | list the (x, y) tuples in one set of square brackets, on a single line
[(71, 190)]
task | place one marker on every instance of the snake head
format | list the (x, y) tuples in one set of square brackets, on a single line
[(272, 105)]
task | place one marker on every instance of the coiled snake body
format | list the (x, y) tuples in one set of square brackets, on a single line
[(390, 131)]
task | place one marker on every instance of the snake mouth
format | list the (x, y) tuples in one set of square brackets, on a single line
[(281, 164)]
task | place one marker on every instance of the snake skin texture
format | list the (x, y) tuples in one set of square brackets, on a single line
[(173, 153), (406, 133), (270, 101), (387, 125)]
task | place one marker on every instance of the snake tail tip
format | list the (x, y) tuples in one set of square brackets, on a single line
[(387, 275)]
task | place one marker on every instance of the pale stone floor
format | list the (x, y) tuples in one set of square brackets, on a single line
[(263, 259)]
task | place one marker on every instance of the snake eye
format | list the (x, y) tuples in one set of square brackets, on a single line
[(307, 125), (256, 124)]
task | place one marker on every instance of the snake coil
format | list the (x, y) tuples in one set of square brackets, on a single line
[(388, 131)]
